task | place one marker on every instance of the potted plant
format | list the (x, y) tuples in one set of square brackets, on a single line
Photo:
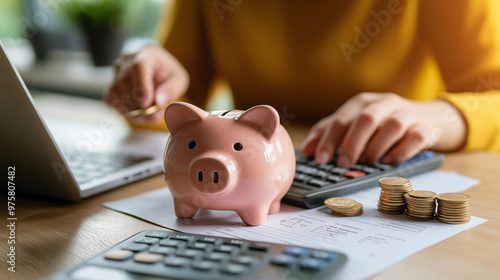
[(102, 24)]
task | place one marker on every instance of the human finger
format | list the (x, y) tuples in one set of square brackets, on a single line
[(309, 145), (313, 136), (113, 100), (413, 141), (118, 96), (335, 126), (169, 90), (330, 140), (141, 83), (362, 129), (390, 132), (171, 86)]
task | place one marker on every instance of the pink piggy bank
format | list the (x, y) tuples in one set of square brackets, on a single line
[(227, 160)]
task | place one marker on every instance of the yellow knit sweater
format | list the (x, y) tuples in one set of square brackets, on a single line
[(306, 58)]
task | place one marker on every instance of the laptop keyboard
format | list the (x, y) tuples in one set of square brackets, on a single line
[(87, 166)]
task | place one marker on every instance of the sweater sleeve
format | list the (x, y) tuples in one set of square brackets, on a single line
[(182, 33), (464, 36)]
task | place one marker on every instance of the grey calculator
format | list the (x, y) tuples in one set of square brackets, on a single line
[(157, 254)]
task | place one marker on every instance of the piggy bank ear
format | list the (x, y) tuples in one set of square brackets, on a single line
[(177, 114), (263, 118)]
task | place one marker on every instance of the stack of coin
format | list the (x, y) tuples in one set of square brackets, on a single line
[(392, 195), (420, 205), (453, 208), (344, 206)]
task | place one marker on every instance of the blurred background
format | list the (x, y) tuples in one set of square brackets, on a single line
[(68, 46)]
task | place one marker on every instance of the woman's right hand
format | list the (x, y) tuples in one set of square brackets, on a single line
[(151, 76)]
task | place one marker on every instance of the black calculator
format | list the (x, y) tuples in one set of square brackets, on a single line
[(314, 183), (158, 254)]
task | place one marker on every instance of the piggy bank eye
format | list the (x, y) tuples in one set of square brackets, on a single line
[(237, 146), (192, 144)]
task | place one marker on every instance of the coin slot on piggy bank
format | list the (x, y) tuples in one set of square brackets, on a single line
[(242, 161)]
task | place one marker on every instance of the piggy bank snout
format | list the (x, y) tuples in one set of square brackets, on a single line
[(209, 174)]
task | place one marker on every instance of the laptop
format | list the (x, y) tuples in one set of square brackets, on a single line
[(65, 158)]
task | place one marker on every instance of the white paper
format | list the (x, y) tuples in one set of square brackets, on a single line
[(373, 241)]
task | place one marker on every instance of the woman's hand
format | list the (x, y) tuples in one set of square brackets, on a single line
[(374, 126), (147, 77)]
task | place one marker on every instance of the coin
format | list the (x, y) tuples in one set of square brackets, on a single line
[(420, 205), (354, 211), (142, 112), (392, 194), (423, 194), (393, 181), (453, 197), (453, 208), (344, 206), (340, 202)]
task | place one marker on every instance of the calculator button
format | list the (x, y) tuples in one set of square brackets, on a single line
[(300, 167), (321, 174), (295, 251), (339, 171), (118, 255), (312, 264), (323, 255), (364, 168), (147, 240), (234, 269), (163, 250), (318, 183), (234, 242), (312, 163), (147, 257), (182, 237), (283, 260), (204, 265), (382, 166), (335, 178), (326, 167), (210, 240), (225, 248), (243, 259), (199, 246), (354, 174), (136, 247), (312, 171), (176, 261), (189, 253), (357, 166), (172, 243), (257, 246), (217, 256), (158, 234), (302, 177), (370, 170)]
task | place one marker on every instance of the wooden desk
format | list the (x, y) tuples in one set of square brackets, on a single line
[(51, 236)]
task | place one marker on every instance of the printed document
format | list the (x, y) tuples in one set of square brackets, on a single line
[(372, 241)]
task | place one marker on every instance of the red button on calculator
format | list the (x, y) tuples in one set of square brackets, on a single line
[(354, 174)]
